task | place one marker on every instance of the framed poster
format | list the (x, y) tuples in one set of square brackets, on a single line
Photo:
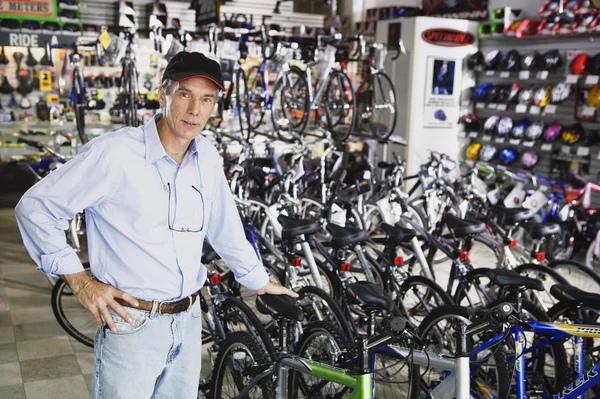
[(442, 92)]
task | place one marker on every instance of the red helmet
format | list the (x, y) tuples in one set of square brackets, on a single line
[(580, 63)]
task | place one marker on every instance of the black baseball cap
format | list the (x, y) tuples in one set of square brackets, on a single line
[(193, 65)]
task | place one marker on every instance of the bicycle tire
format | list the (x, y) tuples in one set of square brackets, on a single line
[(256, 81), (340, 133), (432, 289), (471, 276), (338, 316), (58, 308), (252, 319), (503, 373), (312, 332), (378, 77), (568, 270), (78, 106), (545, 274), (240, 340), (242, 103), (301, 103)]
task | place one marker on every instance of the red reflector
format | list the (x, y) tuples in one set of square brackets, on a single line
[(571, 241), (464, 256), (398, 260), (540, 256), (513, 243), (345, 267), (229, 174), (296, 262), (215, 279)]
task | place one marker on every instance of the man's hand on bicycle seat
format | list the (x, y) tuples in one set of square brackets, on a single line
[(276, 289)]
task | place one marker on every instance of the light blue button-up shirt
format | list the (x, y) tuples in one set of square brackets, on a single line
[(120, 179)]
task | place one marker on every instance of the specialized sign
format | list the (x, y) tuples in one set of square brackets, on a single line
[(461, 9), (447, 37), (28, 8)]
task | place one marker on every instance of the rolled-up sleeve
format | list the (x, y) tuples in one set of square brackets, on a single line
[(226, 235), (45, 209)]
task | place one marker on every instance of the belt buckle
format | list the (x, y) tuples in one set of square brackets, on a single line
[(159, 308)]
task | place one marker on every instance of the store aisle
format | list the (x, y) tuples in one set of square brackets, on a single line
[(38, 360)]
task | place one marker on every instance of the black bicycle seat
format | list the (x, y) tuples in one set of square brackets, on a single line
[(508, 278), (568, 293), (397, 234), (279, 306), (511, 215), (385, 165), (342, 236), (463, 228), (293, 227), (208, 254), (369, 294), (540, 230)]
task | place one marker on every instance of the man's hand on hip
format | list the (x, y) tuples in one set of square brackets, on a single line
[(276, 289), (96, 297)]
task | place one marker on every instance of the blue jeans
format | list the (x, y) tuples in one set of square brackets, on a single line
[(156, 357)]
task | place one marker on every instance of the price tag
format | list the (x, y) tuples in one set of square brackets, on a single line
[(543, 75), (502, 107), (486, 137), (592, 80), (572, 79), (524, 74), (480, 105), (550, 109), (473, 134), (514, 141), (534, 110), (583, 151), (528, 143), (588, 111), (492, 106), (505, 74), (521, 108), (565, 150), (500, 140), (490, 73), (546, 147)]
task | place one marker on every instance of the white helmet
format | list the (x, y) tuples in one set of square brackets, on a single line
[(560, 92)]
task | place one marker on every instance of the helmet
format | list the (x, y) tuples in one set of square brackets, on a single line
[(470, 121), (560, 92), (492, 59), (491, 124), (514, 93), (552, 131), (594, 66), (502, 93), (487, 153), (593, 97), (521, 127), (526, 96), (472, 151), (531, 61), (580, 64), (475, 60), (505, 125), (529, 159), (482, 90), (535, 130), (508, 155), (551, 60), (541, 97), (573, 133), (440, 115), (492, 93), (511, 61)]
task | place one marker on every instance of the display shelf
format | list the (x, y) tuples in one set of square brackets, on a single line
[(575, 37)]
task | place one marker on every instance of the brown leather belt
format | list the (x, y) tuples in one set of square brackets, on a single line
[(164, 307)]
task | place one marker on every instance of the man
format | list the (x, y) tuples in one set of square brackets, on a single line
[(151, 195)]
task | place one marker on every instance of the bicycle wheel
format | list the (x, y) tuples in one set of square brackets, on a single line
[(78, 100), (237, 362), (382, 111), (591, 259), (289, 110), (324, 343), (418, 296), (76, 320), (547, 276), (475, 289), (578, 275), (318, 306), (240, 104), (488, 376), (340, 106), (256, 97)]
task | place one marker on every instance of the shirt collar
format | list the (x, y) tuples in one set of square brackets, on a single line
[(154, 147)]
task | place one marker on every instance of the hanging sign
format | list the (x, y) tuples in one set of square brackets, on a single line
[(462, 9), (448, 37), (28, 8), (207, 11)]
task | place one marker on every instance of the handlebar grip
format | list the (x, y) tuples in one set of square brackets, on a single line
[(31, 143)]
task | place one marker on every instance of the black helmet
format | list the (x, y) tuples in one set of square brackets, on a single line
[(511, 61), (530, 61), (551, 60), (492, 59), (594, 65), (470, 121), (475, 60)]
